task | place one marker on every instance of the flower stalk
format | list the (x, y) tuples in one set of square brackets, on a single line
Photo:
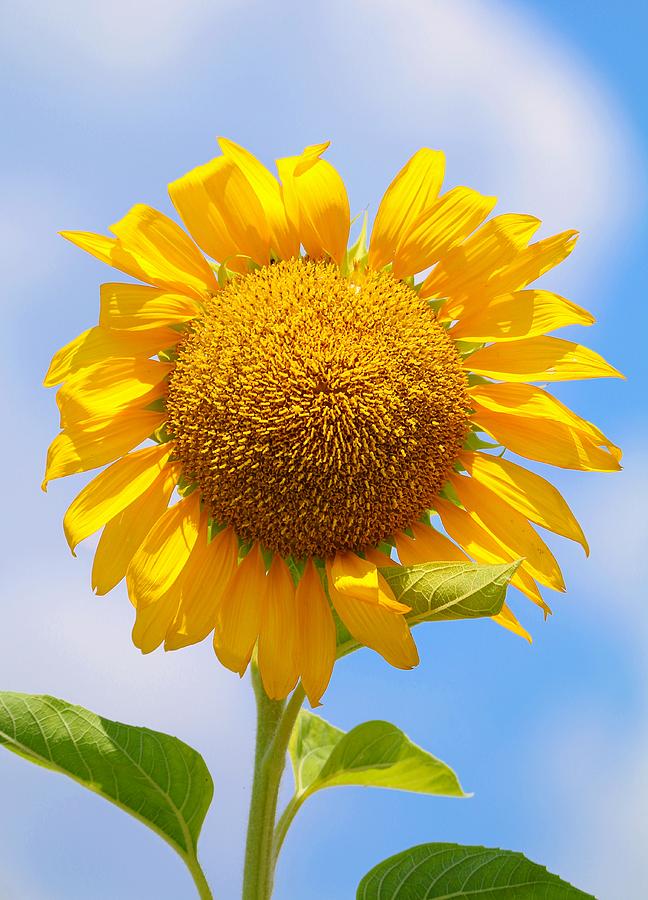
[(275, 722)]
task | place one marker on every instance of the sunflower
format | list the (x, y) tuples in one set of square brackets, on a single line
[(315, 412)]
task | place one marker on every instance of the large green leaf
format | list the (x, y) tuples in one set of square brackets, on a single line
[(374, 754), (155, 777), (439, 591), (444, 871)]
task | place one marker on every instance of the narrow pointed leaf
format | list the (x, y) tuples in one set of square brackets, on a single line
[(444, 871), (156, 778)]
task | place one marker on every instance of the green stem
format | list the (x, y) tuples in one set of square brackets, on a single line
[(275, 721), (284, 823), (204, 891)]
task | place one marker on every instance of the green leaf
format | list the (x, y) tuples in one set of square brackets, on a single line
[(440, 591), (374, 754), (156, 778), (311, 743), (444, 871)]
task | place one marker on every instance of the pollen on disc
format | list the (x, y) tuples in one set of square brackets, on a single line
[(314, 413)]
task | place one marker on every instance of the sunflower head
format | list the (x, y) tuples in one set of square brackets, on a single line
[(281, 419), (314, 414)]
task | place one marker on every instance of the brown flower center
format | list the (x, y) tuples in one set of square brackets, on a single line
[(316, 414)]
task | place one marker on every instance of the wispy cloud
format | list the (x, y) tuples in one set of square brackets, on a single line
[(120, 38), (492, 83), (595, 763)]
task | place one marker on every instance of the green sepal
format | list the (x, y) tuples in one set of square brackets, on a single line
[(474, 442), (474, 379), (296, 568), (157, 405), (186, 486), (161, 434), (224, 275), (169, 355), (357, 255), (448, 492)]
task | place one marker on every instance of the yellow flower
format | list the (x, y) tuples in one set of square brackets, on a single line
[(310, 412)]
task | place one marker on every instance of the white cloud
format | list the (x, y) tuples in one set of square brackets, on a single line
[(505, 95), (595, 764), (74, 638), (614, 509), (33, 208), (599, 783), (519, 111), (122, 37)]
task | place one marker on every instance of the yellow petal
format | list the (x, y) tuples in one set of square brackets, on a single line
[(317, 634), (112, 491), (152, 621), (238, 617), (539, 359), (220, 208), (533, 424), (532, 262), (284, 240), (310, 155), (525, 491), (484, 548), (279, 650), (209, 570), (378, 558), (109, 251), (412, 191), (529, 401), (109, 386), (360, 578), (145, 236), (134, 307), (95, 442), (509, 317), (124, 534), (507, 620), (98, 344), (511, 529), (439, 228), (428, 545), (165, 251), (164, 552), (316, 202), (375, 626), (289, 168), (465, 269)]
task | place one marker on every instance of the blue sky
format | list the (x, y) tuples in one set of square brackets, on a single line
[(542, 104)]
